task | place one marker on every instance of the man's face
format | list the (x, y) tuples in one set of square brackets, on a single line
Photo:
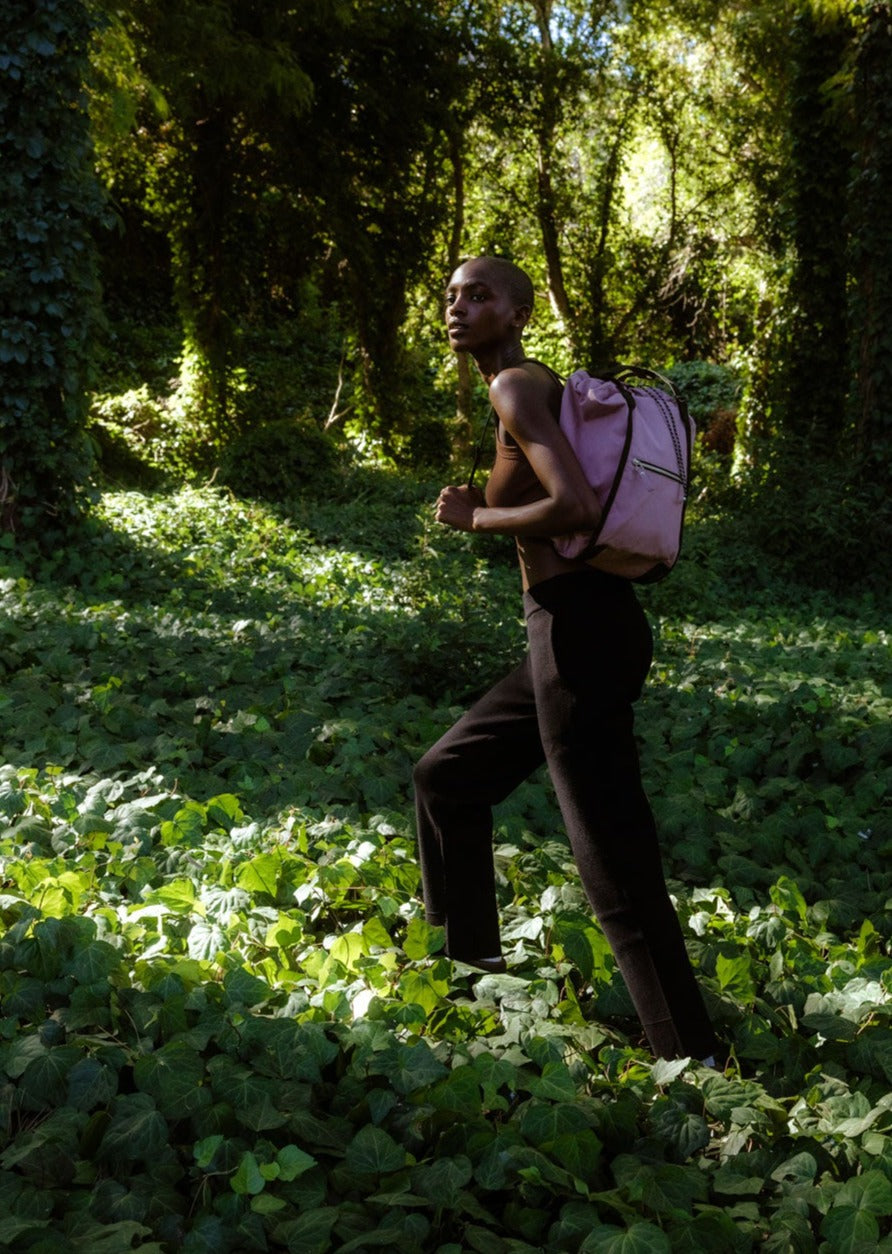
[(479, 309)]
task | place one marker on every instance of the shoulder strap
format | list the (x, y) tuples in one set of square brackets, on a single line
[(478, 455), (622, 373), (559, 379), (491, 416)]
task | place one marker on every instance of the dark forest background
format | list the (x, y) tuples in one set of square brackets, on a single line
[(226, 228)]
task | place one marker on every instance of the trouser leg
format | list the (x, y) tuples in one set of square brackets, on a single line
[(473, 767), (588, 664)]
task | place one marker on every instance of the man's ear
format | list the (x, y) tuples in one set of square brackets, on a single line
[(522, 315)]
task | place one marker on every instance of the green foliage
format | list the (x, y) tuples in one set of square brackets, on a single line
[(135, 435), (383, 213), (813, 375), (279, 460), (225, 1023), (819, 519), (706, 386), (50, 205), (712, 394), (222, 75), (429, 445), (870, 244)]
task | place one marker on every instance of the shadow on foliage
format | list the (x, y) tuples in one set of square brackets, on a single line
[(307, 657), (233, 650)]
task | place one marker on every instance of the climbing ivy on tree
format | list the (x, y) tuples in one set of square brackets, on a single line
[(49, 204), (870, 243), (815, 375)]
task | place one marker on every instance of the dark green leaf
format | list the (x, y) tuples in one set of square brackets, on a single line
[(373, 1152)]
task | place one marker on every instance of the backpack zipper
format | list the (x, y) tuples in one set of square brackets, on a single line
[(641, 466)]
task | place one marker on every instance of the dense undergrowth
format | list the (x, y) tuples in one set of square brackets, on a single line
[(225, 1025)]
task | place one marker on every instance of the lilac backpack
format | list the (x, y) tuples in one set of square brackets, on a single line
[(634, 444)]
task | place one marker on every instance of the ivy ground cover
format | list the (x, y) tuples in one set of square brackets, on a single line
[(224, 1024)]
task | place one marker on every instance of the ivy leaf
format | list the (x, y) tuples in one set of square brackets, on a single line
[(459, 1091), (801, 1168), (309, 1234), (261, 874), (871, 1192), (225, 811), (579, 1153), (112, 1238), (374, 1152), (179, 896), (421, 989), (22, 1052), (244, 989), (735, 976), (848, 1229), (97, 961), (293, 1162), (204, 1151), (662, 1187), (137, 1130), (543, 1122), (91, 1083), (12, 1227), (440, 1182), (715, 1232), (422, 939), (686, 1130), (872, 1053), (640, 1238), (172, 1076), (247, 1178), (555, 1083), (408, 1067), (250, 1095), (722, 1095), (206, 941), (46, 1079)]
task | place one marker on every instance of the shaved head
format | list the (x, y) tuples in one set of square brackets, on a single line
[(505, 274)]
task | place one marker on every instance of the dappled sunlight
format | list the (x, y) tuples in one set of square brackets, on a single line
[(211, 892)]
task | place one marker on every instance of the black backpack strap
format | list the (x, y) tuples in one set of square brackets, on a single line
[(623, 373), (491, 416), (483, 434), (559, 379)]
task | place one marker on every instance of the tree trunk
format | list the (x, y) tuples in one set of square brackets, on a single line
[(817, 355), (871, 239), (463, 405), (600, 343), (202, 263), (546, 201)]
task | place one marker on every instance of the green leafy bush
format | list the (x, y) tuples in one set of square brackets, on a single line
[(279, 460), (821, 520), (706, 386), (135, 434), (429, 445)]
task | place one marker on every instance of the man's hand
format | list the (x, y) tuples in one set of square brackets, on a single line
[(455, 507)]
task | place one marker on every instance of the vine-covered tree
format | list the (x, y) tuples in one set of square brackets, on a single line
[(870, 244), (228, 74), (373, 153), (50, 202), (814, 375)]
